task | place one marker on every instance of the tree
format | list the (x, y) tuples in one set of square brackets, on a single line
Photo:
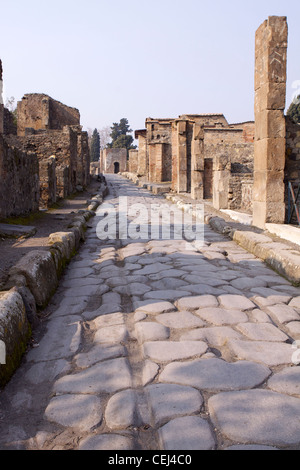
[(294, 110), (120, 135), (95, 146)]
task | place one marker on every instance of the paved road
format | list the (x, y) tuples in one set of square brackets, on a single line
[(160, 344)]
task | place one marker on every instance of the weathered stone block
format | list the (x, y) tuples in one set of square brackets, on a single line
[(269, 154), (270, 124), (270, 96), (268, 186), (268, 212), (14, 333), (39, 270)]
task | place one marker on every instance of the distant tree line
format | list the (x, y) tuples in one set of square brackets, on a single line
[(116, 136)]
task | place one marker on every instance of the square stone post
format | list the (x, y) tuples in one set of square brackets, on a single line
[(197, 162), (181, 157), (221, 177), (270, 131)]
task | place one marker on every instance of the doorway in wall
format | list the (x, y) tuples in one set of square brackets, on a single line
[(116, 167)]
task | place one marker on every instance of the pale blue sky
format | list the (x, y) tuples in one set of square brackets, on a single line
[(137, 59)]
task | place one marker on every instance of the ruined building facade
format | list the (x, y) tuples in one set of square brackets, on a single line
[(49, 135), (201, 155), (245, 166)]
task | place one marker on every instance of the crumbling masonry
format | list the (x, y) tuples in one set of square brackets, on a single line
[(245, 166), (44, 158)]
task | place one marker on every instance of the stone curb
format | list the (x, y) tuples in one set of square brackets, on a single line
[(32, 282), (280, 256)]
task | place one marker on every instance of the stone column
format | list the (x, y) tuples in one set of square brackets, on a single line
[(197, 164), (270, 132), (181, 157), (1, 101), (221, 177)]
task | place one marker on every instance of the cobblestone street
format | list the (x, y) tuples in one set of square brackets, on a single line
[(159, 344)]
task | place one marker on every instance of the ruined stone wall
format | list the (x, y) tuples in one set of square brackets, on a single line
[(240, 192), (47, 175), (114, 160), (133, 161), (19, 176), (9, 125), (292, 161), (1, 100), (142, 169), (39, 111), (61, 144)]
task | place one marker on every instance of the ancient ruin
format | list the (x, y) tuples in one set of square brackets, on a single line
[(244, 166), (201, 155), (49, 135), (113, 160)]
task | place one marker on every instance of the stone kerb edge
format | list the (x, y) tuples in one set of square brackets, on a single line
[(19, 302)]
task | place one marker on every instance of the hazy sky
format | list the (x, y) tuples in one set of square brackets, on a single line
[(136, 59)]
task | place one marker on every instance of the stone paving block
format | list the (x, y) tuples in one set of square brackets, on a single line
[(79, 273), (150, 370), (182, 319), (215, 374), (151, 331), (171, 400), (169, 283), (76, 411), (270, 296), (248, 283), (286, 381), (166, 294), (258, 316), (111, 334), (110, 376), (295, 302), (220, 316), (154, 307), (204, 289), (61, 340), (106, 442), (138, 289), (166, 351), (120, 410), (266, 352), (153, 268), (293, 328), (282, 313), (260, 416), (216, 336), (235, 302), (187, 433), (47, 371), (117, 318), (99, 353), (196, 302), (166, 273), (262, 332)]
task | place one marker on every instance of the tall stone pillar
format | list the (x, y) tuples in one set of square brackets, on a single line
[(197, 162), (269, 146), (1, 101), (221, 177), (181, 157)]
